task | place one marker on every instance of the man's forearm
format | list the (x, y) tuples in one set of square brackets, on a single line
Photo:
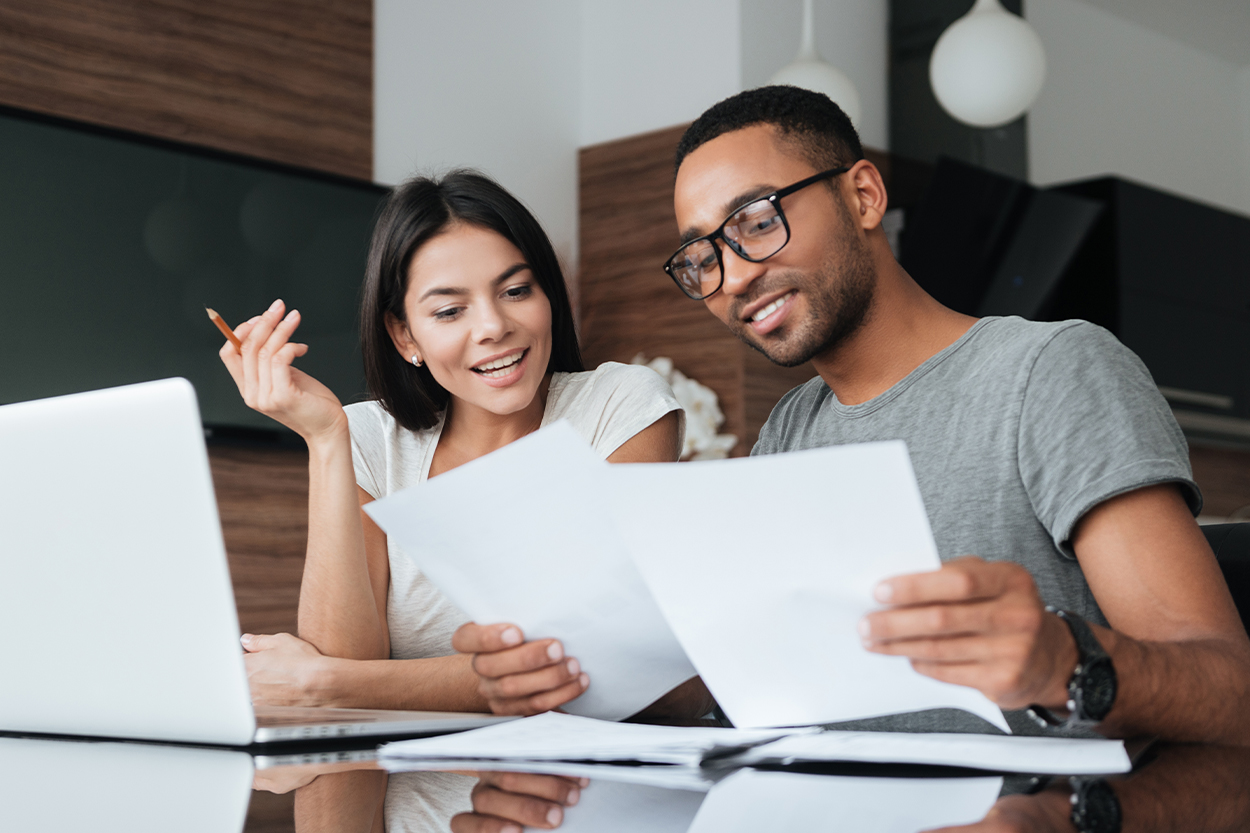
[(434, 684), (1182, 691)]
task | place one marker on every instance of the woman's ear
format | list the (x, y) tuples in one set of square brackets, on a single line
[(401, 337)]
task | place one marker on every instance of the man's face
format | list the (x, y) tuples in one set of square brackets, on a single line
[(814, 293)]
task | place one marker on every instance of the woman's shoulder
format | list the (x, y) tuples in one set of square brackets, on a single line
[(607, 381), (611, 403), (371, 425)]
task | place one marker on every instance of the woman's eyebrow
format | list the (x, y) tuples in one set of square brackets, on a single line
[(460, 290)]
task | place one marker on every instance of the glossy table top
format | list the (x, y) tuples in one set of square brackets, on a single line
[(64, 785)]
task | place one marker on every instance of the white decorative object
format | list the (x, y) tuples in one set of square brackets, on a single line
[(811, 72), (703, 414), (988, 67)]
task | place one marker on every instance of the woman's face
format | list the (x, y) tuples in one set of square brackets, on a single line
[(477, 318)]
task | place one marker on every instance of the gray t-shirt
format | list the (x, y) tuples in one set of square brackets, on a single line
[(1015, 432)]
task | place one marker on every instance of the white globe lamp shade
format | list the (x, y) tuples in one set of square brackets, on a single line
[(822, 77), (988, 67), (811, 72)]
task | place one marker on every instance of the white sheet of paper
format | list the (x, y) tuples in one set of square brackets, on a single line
[(764, 566), (563, 737), (995, 753), (764, 802), (523, 535)]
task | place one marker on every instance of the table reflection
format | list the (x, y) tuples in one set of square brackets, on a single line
[(62, 786), (1196, 789)]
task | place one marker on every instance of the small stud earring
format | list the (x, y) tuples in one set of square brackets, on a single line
[(416, 362)]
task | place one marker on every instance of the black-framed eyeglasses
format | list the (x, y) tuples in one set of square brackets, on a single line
[(755, 231)]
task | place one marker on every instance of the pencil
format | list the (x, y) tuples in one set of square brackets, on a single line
[(225, 329)]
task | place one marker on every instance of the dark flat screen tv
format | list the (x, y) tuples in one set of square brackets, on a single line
[(111, 245)]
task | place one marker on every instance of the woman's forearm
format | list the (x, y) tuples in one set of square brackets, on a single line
[(339, 612), (434, 684)]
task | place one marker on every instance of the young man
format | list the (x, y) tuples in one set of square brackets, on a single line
[(1051, 468)]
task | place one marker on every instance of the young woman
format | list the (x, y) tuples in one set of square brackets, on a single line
[(468, 341)]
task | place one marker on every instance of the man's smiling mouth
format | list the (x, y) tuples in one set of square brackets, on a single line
[(501, 367), (764, 312)]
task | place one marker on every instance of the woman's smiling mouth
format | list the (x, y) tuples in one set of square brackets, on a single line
[(501, 367)]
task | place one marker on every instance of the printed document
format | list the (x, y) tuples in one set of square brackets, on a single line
[(523, 535), (764, 566)]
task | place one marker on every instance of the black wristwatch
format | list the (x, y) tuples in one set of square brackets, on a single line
[(1092, 688), (1095, 806)]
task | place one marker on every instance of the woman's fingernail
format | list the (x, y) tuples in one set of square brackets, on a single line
[(291, 315), (585, 782), (883, 592), (574, 796), (555, 651), (511, 636), (247, 637), (510, 828), (554, 816), (275, 305), (584, 679), (573, 667), (864, 628)]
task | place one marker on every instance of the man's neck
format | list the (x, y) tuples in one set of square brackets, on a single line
[(903, 327)]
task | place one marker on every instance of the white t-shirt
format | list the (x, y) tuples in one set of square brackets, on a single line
[(607, 406)]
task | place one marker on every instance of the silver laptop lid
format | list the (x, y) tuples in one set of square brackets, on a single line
[(117, 615)]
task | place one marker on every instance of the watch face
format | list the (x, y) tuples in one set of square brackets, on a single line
[(1098, 687)]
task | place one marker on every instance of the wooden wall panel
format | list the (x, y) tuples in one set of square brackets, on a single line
[(262, 496), (1223, 474), (285, 80)]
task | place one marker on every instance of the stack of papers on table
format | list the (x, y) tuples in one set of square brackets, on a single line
[(565, 737), (561, 737)]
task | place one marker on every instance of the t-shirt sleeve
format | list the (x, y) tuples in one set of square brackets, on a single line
[(1092, 426), (364, 421), (621, 400)]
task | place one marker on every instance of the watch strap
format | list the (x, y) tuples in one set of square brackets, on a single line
[(1089, 650)]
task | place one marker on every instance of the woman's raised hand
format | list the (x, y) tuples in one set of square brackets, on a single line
[(519, 677), (270, 384)]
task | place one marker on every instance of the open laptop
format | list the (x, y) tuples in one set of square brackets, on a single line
[(117, 614)]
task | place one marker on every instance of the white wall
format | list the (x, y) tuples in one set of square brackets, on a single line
[(850, 34), (1122, 99), (491, 84), (649, 64)]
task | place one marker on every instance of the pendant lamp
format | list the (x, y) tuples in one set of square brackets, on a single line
[(988, 67), (810, 71)]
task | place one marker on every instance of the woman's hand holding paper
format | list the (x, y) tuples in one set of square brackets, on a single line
[(519, 677)]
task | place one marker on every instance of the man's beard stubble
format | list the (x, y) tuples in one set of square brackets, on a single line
[(839, 297)]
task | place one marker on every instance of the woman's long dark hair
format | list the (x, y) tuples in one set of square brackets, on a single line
[(417, 211)]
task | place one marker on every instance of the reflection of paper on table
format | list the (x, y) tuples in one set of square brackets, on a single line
[(612, 806), (996, 753), (522, 535), (667, 776), (564, 737), (764, 566), (762, 802)]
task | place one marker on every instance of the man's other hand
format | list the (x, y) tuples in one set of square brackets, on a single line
[(519, 677), (979, 624)]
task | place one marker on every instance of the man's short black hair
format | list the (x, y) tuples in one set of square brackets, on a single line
[(820, 131)]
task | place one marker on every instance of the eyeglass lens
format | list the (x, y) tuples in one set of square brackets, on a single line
[(755, 231)]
